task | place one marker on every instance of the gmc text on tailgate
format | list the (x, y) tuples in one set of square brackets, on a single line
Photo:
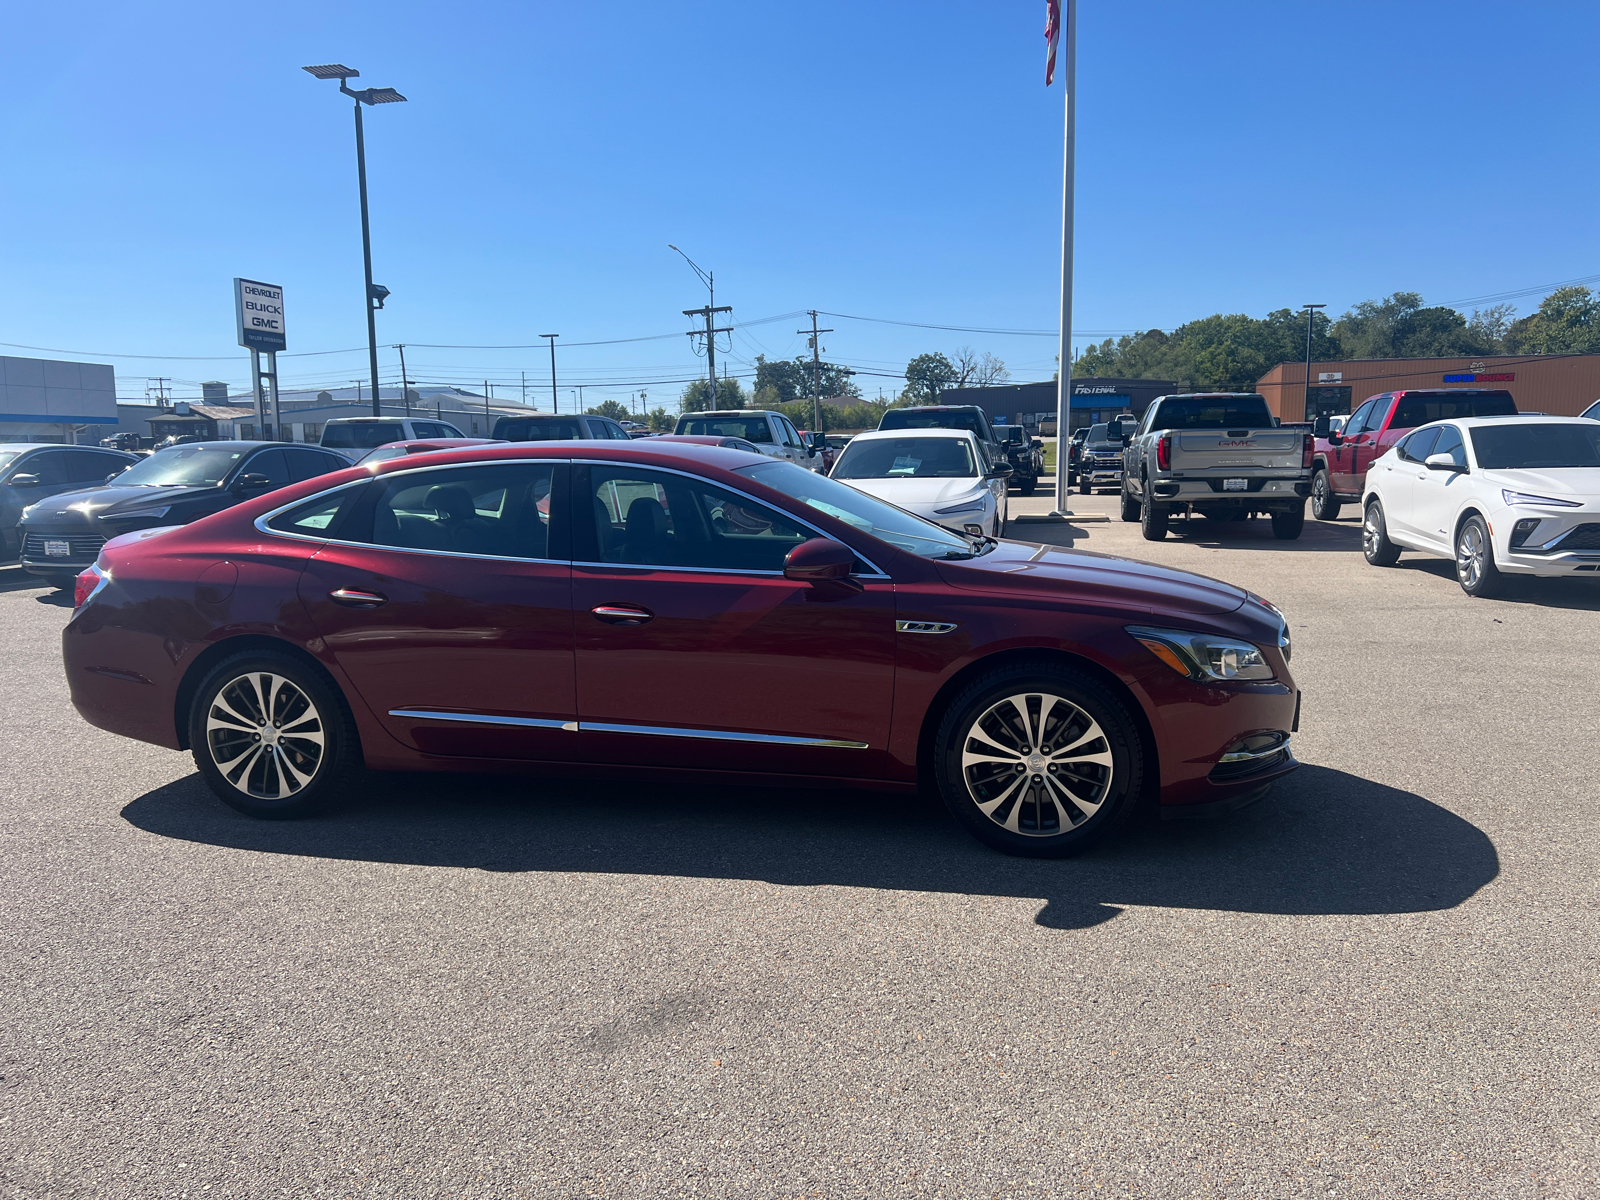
[(1217, 454)]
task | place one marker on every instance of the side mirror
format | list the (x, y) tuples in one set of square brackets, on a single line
[(1322, 427), (821, 560), (1037, 444), (1442, 462), (251, 481), (24, 480), (1335, 438), (1002, 472)]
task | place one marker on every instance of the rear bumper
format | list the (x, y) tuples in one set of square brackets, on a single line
[(1211, 489)]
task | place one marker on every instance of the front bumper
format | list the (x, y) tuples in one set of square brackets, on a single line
[(1564, 544), (42, 550)]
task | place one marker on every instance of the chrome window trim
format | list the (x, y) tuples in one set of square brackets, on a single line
[(261, 521), (877, 572), (716, 735)]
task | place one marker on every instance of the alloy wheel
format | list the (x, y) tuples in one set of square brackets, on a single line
[(1036, 764), (264, 735), (1469, 555), (1370, 533)]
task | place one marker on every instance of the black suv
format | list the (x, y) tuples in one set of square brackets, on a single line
[(948, 416), (1025, 454), (62, 535)]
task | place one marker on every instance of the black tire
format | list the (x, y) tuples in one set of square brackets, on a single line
[(1286, 526), (1029, 485), (1130, 507), (1324, 504), (1475, 568), (299, 704), (1376, 547), (1153, 521), (1037, 817), (1084, 487)]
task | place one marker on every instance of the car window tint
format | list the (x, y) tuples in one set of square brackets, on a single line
[(618, 433), (500, 509), (270, 463), (1418, 445), (535, 429), (50, 467), (1450, 443), (1536, 447), (362, 434), (447, 430), (83, 466), (654, 518), (308, 464), (751, 429), (315, 517), (1358, 422)]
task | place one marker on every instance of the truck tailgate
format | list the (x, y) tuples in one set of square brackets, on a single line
[(1219, 451)]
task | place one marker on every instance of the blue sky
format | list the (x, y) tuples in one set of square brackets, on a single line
[(872, 157)]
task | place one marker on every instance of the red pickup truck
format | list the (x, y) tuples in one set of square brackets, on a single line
[(1339, 464)]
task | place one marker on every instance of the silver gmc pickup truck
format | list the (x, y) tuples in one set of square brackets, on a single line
[(1217, 454)]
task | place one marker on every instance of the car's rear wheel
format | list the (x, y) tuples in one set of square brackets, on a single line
[(1130, 506), (1324, 504), (1028, 485), (1475, 567), (1038, 761), (1153, 521), (271, 736), (1375, 544), (1286, 526)]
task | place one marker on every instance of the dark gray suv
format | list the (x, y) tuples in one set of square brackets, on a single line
[(30, 472)]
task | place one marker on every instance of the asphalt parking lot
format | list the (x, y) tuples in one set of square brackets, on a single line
[(1381, 981)]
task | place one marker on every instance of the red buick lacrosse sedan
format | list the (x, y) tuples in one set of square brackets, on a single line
[(671, 611)]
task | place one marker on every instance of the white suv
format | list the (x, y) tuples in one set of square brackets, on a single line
[(771, 432)]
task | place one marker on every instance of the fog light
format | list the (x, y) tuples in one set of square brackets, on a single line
[(1522, 530)]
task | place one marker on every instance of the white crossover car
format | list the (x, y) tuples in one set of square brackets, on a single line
[(943, 475), (1500, 495)]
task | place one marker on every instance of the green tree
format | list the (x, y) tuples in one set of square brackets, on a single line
[(614, 409), (781, 381), (697, 395), (1400, 326), (926, 376), (661, 421), (1566, 322)]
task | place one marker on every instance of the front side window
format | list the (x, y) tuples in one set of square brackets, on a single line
[(1418, 445), (182, 466), (50, 467), (907, 458), (867, 513), (655, 518), (500, 510), (90, 466), (308, 464), (1359, 421), (1536, 446)]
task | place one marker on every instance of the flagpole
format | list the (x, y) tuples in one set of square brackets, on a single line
[(1069, 80)]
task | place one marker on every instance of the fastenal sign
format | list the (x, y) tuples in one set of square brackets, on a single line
[(259, 309)]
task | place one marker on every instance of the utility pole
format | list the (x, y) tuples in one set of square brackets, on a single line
[(580, 397), (710, 334), (1311, 313), (405, 384), (357, 382), (488, 416), (555, 404), (524, 387), (816, 370)]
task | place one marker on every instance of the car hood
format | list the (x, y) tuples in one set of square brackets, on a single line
[(920, 493), (108, 500), (1103, 578), (1562, 483)]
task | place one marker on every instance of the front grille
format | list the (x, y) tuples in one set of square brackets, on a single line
[(1581, 537), (82, 547)]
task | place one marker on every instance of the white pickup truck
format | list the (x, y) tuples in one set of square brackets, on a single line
[(1218, 454)]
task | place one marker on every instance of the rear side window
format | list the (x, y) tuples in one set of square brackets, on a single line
[(317, 517), (529, 429), (308, 464), (500, 510), (271, 463), (1358, 422)]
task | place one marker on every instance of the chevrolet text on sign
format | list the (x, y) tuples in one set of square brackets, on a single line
[(259, 308)]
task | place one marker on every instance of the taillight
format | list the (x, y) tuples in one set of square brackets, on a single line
[(1164, 453), (85, 585), (1306, 449)]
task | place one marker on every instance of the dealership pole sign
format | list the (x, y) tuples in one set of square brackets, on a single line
[(259, 309)]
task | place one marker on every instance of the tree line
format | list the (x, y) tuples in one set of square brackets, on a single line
[(1231, 351)]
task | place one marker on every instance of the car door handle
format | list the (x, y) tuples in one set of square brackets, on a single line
[(622, 614), (352, 598)]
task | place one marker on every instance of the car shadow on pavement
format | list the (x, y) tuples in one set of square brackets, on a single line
[(1317, 536), (1572, 592), (1323, 843)]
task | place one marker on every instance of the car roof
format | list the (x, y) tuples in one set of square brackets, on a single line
[(732, 412), (543, 416), (652, 451), (1509, 419), (940, 408), (449, 442), (914, 433)]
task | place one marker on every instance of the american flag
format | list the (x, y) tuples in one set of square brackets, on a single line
[(1052, 37)]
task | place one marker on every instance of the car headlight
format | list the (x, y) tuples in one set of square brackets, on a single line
[(1527, 498), (972, 506), (1207, 657)]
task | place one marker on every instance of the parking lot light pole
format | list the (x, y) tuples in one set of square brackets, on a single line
[(375, 293), (555, 404), (1311, 314)]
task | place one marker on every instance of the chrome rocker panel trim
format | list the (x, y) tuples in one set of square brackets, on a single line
[(716, 735)]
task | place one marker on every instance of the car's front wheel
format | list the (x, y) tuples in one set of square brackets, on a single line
[(1038, 761), (1475, 568), (271, 736), (1324, 504)]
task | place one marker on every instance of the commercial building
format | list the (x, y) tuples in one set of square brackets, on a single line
[(1558, 384), (47, 400), (1034, 404)]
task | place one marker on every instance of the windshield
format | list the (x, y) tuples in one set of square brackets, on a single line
[(866, 513), (182, 466), (6, 457), (1213, 412), (922, 418), (530, 429), (751, 429), (907, 458), (1536, 447), (362, 435)]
